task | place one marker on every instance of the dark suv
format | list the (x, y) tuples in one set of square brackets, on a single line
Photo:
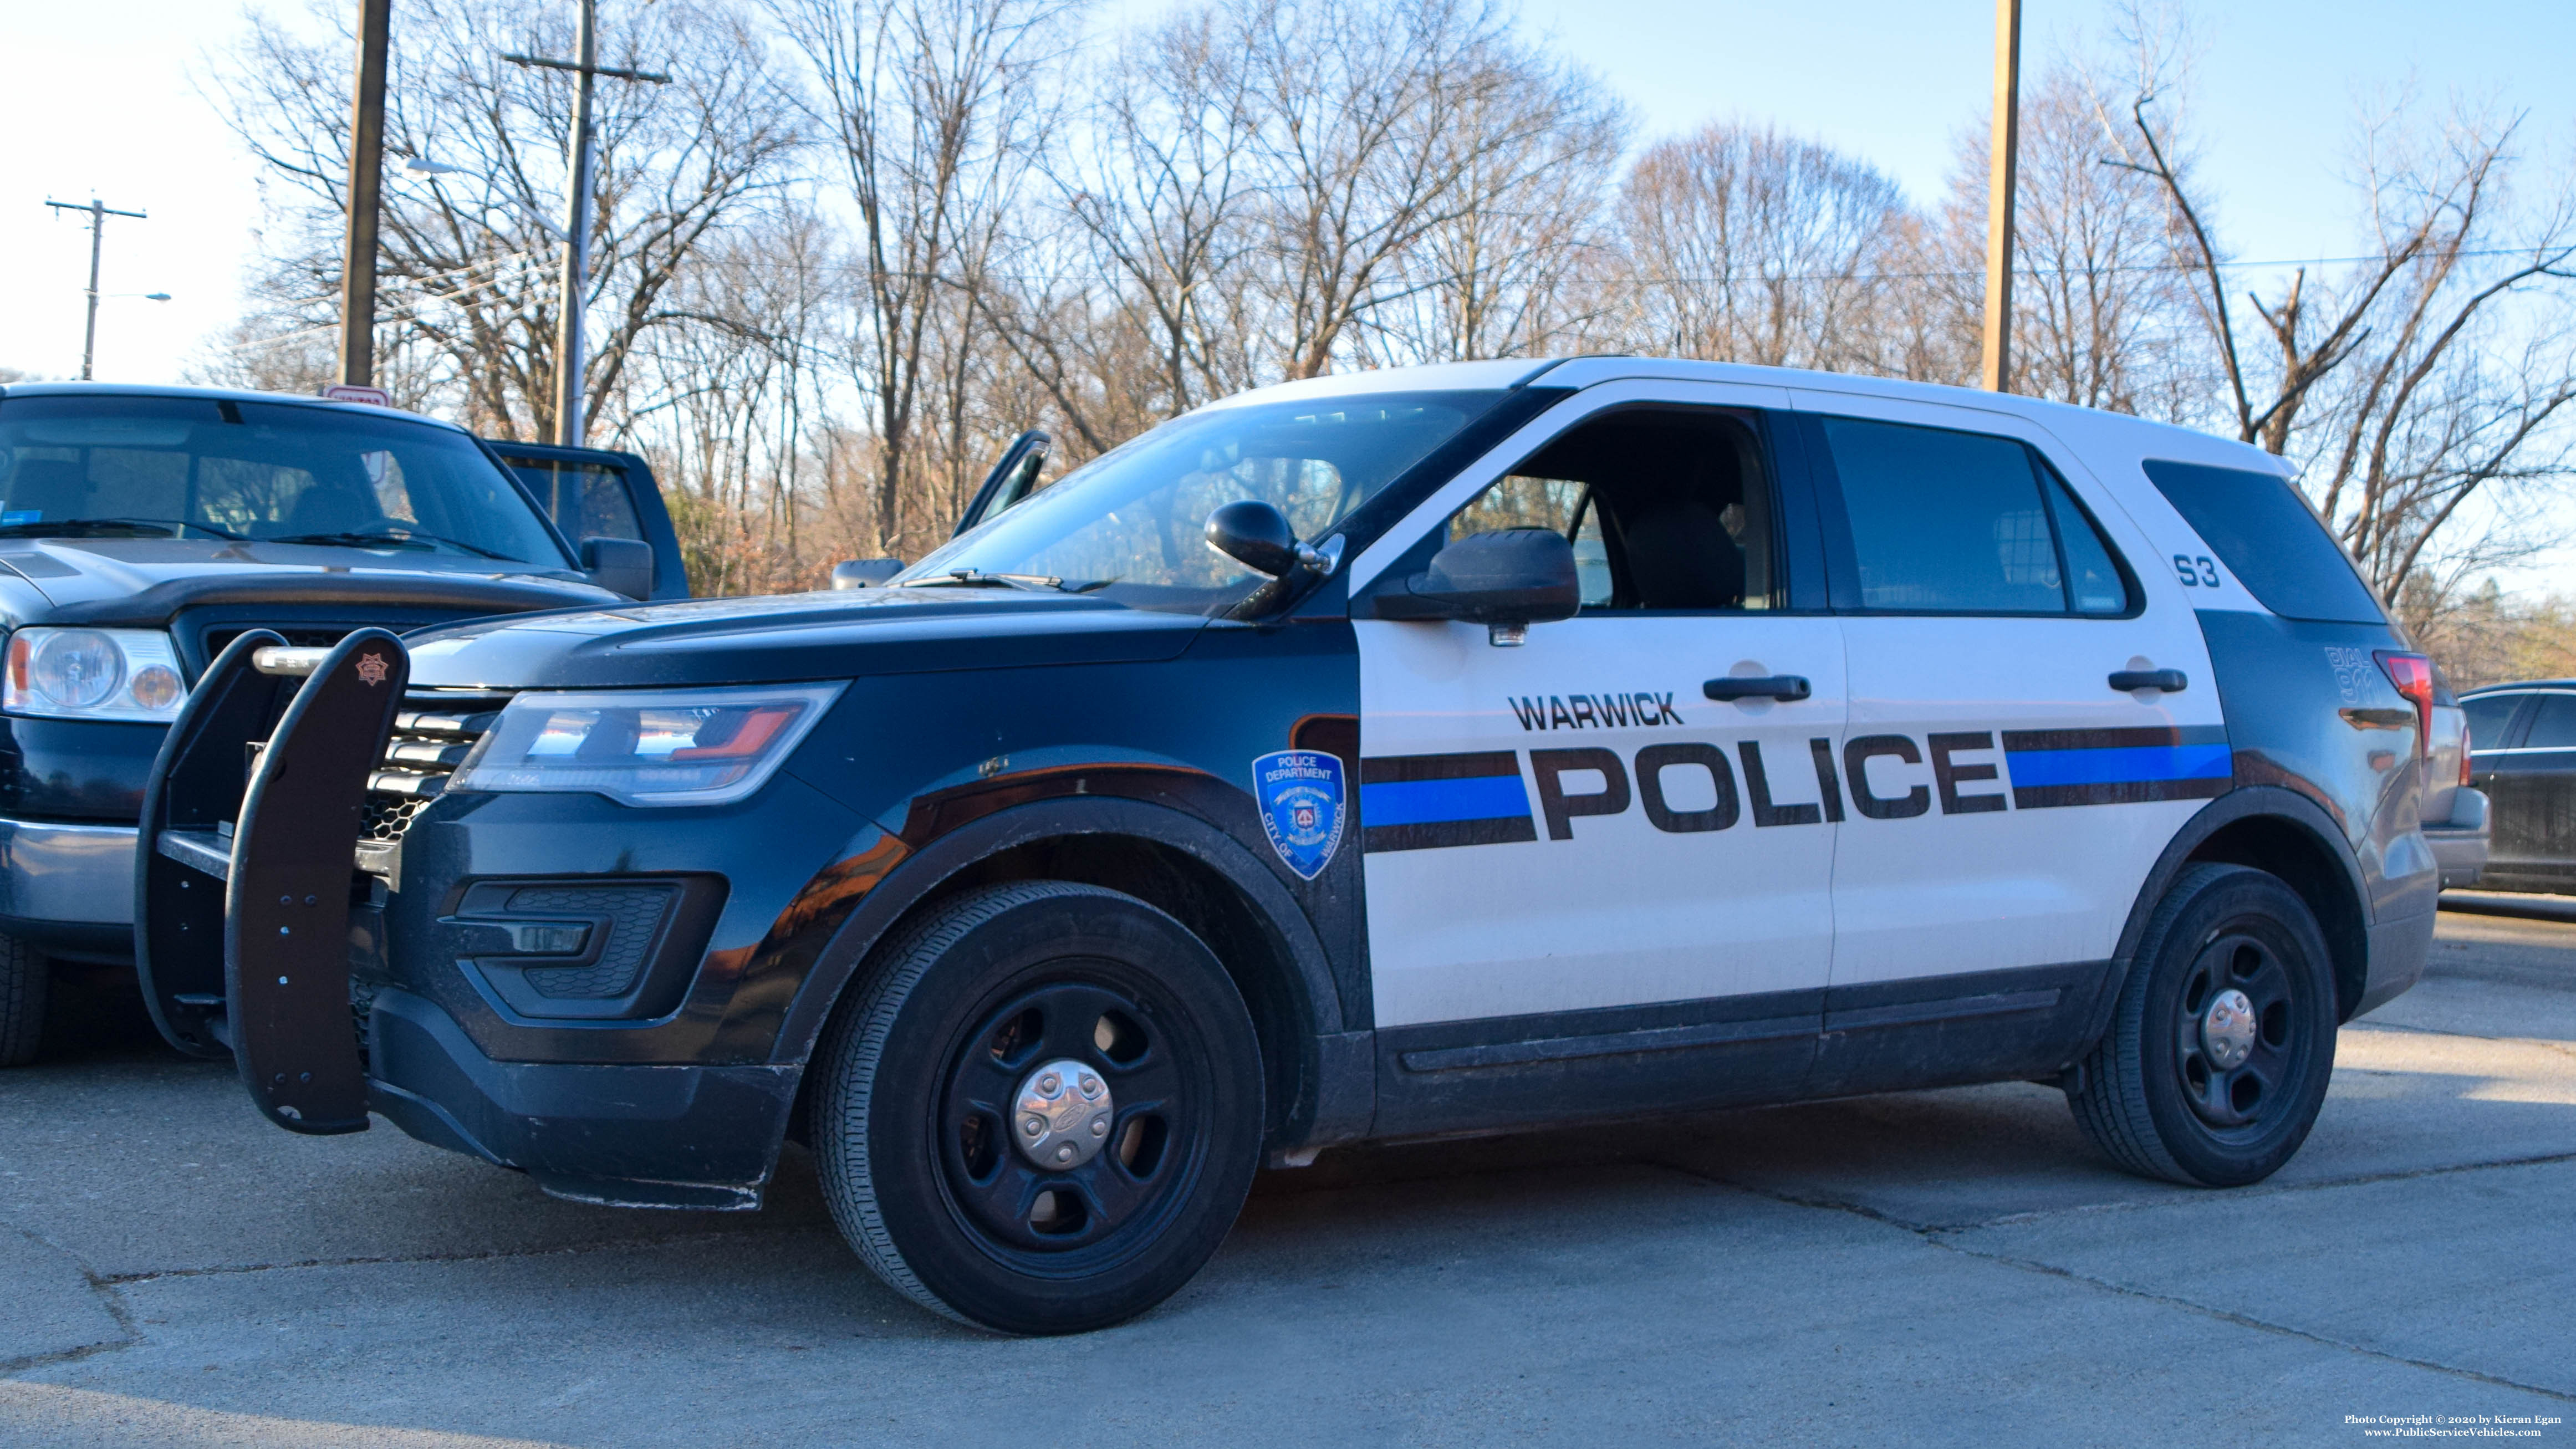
[(144, 528)]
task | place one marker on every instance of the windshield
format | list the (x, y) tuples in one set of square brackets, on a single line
[(161, 467), (1131, 524)]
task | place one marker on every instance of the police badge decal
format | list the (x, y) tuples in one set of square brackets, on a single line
[(1300, 793)]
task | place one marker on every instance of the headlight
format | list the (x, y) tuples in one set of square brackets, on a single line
[(682, 747), (92, 674)]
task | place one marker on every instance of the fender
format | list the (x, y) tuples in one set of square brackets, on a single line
[(2245, 803), (1336, 1077)]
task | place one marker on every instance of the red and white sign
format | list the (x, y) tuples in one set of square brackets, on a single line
[(357, 393)]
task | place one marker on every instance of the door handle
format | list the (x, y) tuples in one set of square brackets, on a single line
[(1786, 688), (2171, 681)]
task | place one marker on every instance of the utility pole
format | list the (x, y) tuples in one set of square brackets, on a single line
[(366, 174), (576, 259), (98, 216), (1995, 370)]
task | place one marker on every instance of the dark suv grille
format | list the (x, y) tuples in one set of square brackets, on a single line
[(431, 737)]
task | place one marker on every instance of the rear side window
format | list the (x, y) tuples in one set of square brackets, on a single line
[(1965, 523), (586, 500), (2553, 724), (2489, 715), (2265, 534)]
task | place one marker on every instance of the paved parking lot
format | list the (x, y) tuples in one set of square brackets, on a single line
[(1936, 1268)]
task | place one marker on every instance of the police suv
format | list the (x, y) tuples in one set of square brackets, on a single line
[(1389, 755)]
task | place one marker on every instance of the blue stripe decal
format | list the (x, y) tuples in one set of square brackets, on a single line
[(1428, 802), (2032, 768)]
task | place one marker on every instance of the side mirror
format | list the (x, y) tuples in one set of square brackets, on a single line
[(622, 564), (1507, 581), (864, 573), (1257, 536)]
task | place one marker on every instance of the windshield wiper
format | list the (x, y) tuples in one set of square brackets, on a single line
[(100, 527), (976, 579), (412, 539)]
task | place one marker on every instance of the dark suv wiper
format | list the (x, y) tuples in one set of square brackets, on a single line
[(105, 527), (976, 579), (386, 540)]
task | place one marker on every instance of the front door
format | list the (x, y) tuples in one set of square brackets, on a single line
[(2007, 799), (1572, 848)]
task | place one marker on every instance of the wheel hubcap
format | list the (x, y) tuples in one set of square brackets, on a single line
[(1064, 1110), (2236, 1038), (1070, 1120), (2227, 1029)]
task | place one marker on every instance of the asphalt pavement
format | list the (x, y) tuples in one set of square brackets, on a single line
[(1946, 1267)]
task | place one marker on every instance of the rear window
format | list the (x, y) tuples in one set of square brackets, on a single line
[(2553, 725), (2265, 534), (2489, 714)]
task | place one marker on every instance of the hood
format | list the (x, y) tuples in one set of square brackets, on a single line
[(143, 582), (793, 637)]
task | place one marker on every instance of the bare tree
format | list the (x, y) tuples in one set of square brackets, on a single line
[(466, 256), (2425, 378), (931, 106), (1747, 245)]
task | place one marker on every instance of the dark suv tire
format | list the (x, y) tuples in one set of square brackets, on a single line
[(2223, 1038), (24, 977), (1042, 1110)]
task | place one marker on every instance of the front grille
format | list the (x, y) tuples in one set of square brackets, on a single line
[(432, 736)]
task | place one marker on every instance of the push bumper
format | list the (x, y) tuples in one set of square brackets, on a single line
[(623, 1136), (2460, 843)]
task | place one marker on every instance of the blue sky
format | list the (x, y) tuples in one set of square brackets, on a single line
[(100, 97)]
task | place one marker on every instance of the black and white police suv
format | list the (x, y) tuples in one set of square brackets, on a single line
[(1389, 755)]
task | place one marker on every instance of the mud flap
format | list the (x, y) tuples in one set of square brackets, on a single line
[(286, 914), (185, 851)]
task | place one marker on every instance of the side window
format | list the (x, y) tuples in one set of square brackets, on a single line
[(2489, 717), (2269, 539), (1953, 522), (586, 500), (2553, 724), (1666, 509)]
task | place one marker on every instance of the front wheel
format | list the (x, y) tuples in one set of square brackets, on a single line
[(24, 977), (2223, 1038), (1043, 1111)]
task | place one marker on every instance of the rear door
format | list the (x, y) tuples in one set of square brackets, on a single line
[(2007, 799)]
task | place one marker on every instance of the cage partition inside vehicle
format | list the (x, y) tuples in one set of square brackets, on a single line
[(246, 882)]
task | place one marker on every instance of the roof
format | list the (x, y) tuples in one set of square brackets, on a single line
[(155, 389), (1584, 371), (2520, 684)]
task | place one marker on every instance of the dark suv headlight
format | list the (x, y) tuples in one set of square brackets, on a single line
[(114, 674), (638, 747)]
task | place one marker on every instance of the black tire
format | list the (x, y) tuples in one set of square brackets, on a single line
[(25, 974), (917, 1090), (2166, 1093)]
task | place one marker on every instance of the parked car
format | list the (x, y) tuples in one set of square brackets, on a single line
[(2457, 814), (2522, 740), (142, 529), (1284, 778)]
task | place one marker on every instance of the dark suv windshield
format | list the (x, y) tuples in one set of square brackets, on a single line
[(1131, 524), (152, 467)]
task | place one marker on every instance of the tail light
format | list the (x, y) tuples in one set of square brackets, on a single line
[(2464, 754), (2413, 676)]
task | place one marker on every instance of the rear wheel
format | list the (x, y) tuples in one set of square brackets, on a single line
[(1043, 1112), (24, 976), (2221, 1045)]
